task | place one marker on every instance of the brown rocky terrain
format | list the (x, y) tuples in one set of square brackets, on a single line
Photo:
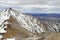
[(53, 36)]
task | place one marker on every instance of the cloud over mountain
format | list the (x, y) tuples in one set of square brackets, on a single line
[(44, 6)]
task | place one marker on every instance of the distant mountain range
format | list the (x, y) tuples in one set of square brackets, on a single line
[(45, 14), (46, 17)]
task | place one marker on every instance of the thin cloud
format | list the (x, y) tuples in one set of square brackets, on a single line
[(45, 5)]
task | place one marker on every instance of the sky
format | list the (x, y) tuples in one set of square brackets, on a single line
[(32, 6)]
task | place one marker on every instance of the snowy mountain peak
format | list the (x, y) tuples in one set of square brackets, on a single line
[(24, 20), (20, 21), (22, 26)]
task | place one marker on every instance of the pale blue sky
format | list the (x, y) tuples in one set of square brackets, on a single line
[(32, 6)]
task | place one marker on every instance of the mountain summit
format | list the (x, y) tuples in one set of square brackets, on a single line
[(26, 21), (25, 24)]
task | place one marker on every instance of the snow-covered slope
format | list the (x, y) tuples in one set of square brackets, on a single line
[(23, 22)]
